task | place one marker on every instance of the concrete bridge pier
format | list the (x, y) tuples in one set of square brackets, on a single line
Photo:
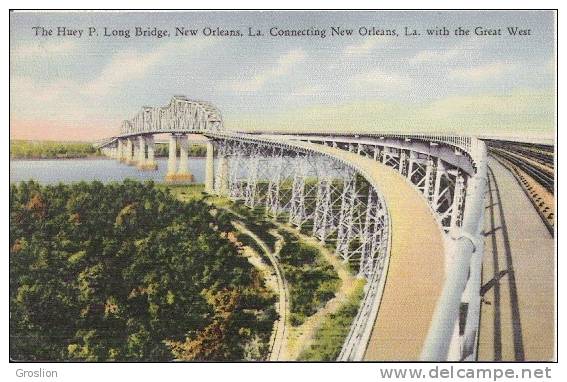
[(121, 150), (182, 173), (151, 163), (129, 159), (210, 168), (222, 183), (172, 159), (141, 154), (136, 152)]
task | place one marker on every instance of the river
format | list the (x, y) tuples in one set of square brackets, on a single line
[(52, 171)]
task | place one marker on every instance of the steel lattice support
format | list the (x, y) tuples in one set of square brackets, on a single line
[(297, 214), (251, 181), (374, 247), (273, 192), (346, 220), (310, 188)]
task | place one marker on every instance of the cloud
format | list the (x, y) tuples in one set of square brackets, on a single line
[(479, 73), (380, 79), (39, 98), (462, 52), (484, 114), (129, 65), (363, 48), (123, 67), (307, 91), (43, 49), (284, 65), (436, 56)]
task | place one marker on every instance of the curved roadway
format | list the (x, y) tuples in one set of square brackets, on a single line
[(415, 274)]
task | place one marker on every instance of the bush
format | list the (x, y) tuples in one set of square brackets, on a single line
[(330, 337), (312, 280), (125, 271), (49, 150)]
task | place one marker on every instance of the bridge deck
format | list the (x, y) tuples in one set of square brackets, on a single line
[(517, 316), (415, 274)]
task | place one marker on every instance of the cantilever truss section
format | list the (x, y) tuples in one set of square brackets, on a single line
[(319, 195)]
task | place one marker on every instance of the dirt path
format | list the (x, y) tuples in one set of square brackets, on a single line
[(279, 335), (301, 337)]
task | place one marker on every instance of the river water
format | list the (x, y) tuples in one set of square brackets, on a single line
[(52, 171)]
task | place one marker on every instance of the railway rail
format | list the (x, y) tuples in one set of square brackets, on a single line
[(542, 177), (544, 156), (536, 179)]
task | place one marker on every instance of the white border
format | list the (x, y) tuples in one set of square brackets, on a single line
[(244, 372)]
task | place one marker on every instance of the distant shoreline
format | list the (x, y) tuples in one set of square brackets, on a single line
[(89, 157), (61, 158)]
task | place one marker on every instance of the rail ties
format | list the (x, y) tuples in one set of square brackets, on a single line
[(536, 179), (542, 154), (544, 178)]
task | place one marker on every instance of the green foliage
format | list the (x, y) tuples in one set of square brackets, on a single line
[(126, 272), (50, 150), (312, 280), (330, 337), (197, 150), (257, 222)]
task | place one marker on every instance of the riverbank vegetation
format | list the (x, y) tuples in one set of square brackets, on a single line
[(312, 280), (195, 150), (21, 149), (334, 329), (127, 272)]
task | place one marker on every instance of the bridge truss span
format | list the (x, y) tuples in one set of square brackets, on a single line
[(181, 115), (347, 190)]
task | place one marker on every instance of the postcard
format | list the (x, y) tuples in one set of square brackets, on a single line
[(332, 186)]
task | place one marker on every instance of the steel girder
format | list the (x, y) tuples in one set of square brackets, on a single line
[(181, 115), (313, 190), (443, 185)]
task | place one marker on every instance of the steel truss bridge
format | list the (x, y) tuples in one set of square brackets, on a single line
[(351, 191)]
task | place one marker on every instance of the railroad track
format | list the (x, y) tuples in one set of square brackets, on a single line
[(542, 177), (536, 178), (542, 156)]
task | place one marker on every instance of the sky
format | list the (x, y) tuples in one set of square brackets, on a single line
[(81, 88)]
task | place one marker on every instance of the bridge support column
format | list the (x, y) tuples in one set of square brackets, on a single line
[(411, 161), (402, 164), (437, 188), (120, 147), (222, 176), (428, 182), (376, 153), (146, 142), (172, 159), (151, 161), (210, 168), (183, 173), (458, 200), (136, 154), (141, 154), (129, 149)]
